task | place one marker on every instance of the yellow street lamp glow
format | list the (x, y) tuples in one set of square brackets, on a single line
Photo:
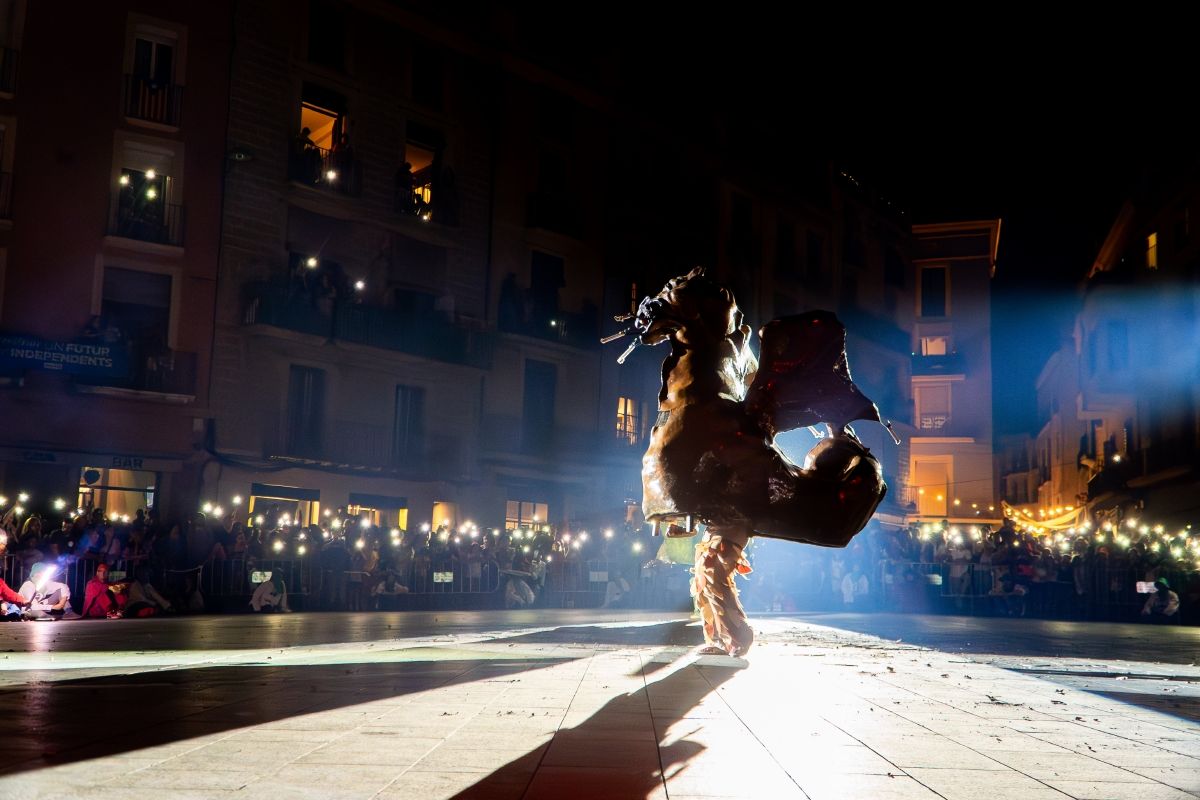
[(301, 550), (957, 502), (331, 175), (395, 532), (365, 523), (1117, 458), (359, 286), (259, 520), (3, 500), (217, 511), (207, 508), (337, 523), (278, 546), (59, 504), (425, 527), (1158, 529), (991, 508), (525, 549), (1131, 523), (151, 193), (302, 536), (1144, 530), (360, 544), (123, 180), (311, 262), (940, 498), (328, 513), (151, 174), (608, 533), (920, 491), (23, 497), (1176, 551), (237, 499), (18, 510), (583, 536), (637, 547)]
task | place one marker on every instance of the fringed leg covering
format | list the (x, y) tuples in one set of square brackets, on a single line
[(719, 558)]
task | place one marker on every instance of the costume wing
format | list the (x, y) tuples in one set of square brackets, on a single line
[(803, 378)]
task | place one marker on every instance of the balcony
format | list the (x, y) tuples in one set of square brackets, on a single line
[(577, 329), (5, 195), (328, 170), (428, 335), (933, 423), (554, 214), (147, 100), (9, 58), (949, 364), (159, 223), (167, 372)]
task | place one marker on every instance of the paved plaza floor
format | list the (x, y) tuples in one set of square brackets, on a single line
[(583, 704)]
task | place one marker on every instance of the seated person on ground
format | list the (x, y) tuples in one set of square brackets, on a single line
[(1162, 605), (144, 600), (271, 594), (48, 599), (102, 599)]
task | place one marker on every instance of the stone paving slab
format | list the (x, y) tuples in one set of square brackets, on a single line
[(605, 711)]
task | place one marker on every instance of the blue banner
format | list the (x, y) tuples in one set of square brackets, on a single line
[(88, 357)]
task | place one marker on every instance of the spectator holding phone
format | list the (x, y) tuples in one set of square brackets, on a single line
[(1162, 606)]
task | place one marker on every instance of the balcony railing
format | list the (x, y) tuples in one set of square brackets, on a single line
[(427, 335), (151, 101), (153, 370), (332, 170), (948, 364), (9, 59), (160, 224), (933, 422), (5, 195)]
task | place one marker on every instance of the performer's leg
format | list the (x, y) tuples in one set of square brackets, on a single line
[(717, 557)]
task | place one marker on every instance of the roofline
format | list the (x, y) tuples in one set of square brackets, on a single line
[(993, 226)]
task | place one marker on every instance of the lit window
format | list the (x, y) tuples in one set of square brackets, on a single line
[(525, 514), (934, 346), (933, 406), (627, 420), (1152, 251)]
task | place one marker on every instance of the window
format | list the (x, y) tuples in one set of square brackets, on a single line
[(138, 306), (7, 129), (154, 59), (145, 206), (1152, 251), (933, 292), (120, 492), (12, 17), (327, 35), (934, 346), (322, 153), (408, 429), (428, 78), (153, 70), (785, 250), (556, 117), (538, 408), (305, 411), (932, 483), (933, 406), (419, 176), (546, 276), (1118, 345), (525, 514), (628, 422)]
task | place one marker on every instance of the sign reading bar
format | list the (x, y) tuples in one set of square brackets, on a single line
[(105, 359)]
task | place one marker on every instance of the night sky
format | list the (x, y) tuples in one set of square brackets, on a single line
[(1048, 131)]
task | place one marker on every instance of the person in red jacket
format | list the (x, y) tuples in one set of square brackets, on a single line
[(7, 595)]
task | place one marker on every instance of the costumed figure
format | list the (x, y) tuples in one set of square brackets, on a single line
[(712, 457)]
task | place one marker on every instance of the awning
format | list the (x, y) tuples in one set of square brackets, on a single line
[(284, 492), (377, 500)]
